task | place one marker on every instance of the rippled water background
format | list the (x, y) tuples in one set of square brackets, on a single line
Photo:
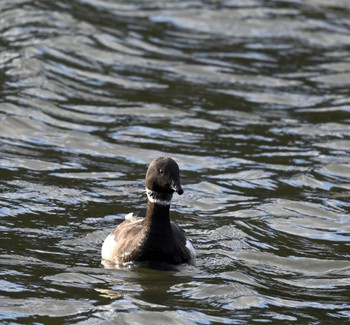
[(250, 97)]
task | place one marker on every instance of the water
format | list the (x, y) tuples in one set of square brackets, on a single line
[(252, 100)]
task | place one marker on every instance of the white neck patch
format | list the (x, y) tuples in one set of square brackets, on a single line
[(154, 198)]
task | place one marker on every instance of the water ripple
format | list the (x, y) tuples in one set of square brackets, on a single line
[(252, 101)]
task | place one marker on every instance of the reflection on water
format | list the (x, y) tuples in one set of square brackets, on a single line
[(251, 98)]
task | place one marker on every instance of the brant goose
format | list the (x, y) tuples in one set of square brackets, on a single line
[(153, 238)]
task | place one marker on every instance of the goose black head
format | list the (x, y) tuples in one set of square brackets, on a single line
[(163, 176)]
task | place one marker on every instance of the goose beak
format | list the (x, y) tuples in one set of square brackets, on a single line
[(177, 188)]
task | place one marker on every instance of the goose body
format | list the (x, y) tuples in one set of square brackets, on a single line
[(152, 237)]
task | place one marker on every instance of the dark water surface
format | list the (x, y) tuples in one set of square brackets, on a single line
[(250, 97)]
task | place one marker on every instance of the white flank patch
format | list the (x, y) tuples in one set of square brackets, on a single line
[(108, 247), (190, 247), (152, 197)]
